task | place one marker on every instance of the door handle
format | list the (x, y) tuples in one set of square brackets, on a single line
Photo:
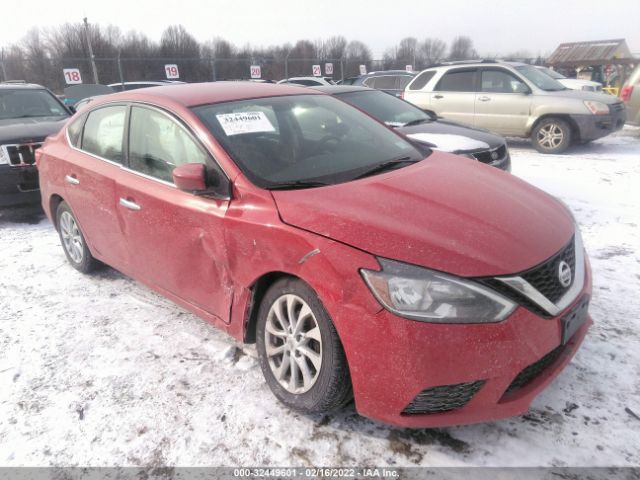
[(484, 98), (131, 205), (72, 180), (438, 96)]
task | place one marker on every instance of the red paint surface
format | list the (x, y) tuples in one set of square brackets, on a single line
[(445, 213)]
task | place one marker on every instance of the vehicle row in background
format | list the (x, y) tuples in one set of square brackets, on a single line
[(630, 94), (390, 81)]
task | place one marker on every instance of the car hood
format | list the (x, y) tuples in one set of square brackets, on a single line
[(26, 130), (584, 95), (576, 82), (447, 213), (452, 137)]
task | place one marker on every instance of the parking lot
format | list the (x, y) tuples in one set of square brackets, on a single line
[(99, 370)]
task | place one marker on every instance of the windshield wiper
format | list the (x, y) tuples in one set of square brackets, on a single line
[(297, 184), (417, 122), (385, 166)]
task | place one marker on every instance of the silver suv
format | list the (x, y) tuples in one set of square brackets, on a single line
[(516, 99)]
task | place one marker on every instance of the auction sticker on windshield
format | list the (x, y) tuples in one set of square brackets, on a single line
[(245, 122)]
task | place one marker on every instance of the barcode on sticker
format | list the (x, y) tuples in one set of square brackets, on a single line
[(244, 122)]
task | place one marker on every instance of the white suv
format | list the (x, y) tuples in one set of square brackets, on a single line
[(518, 100)]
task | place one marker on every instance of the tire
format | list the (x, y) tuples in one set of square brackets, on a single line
[(73, 242), (327, 384), (551, 135)]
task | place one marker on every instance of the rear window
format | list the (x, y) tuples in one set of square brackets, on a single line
[(422, 79), (457, 81)]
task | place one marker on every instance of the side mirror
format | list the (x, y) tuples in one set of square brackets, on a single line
[(190, 177), (522, 88)]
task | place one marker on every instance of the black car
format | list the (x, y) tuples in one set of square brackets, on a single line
[(28, 114), (389, 81), (426, 128)]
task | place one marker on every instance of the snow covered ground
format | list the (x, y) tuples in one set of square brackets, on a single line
[(98, 370)]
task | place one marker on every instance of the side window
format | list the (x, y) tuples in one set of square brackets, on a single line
[(74, 130), (499, 81), (457, 81), (103, 132), (422, 79), (158, 144), (369, 82)]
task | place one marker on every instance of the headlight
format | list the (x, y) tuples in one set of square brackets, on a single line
[(4, 158), (597, 108), (422, 294)]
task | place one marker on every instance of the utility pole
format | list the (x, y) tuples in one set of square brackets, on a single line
[(91, 57), (4, 71), (286, 65)]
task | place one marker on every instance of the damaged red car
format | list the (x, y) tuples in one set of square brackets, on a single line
[(429, 288)]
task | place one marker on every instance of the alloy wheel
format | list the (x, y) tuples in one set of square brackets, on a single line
[(293, 344), (550, 136), (71, 237)]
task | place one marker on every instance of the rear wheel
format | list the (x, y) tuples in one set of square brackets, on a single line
[(551, 135), (73, 242), (300, 352)]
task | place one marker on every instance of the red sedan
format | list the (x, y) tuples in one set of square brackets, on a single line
[(432, 289)]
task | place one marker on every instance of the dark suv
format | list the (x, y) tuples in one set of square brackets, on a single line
[(28, 114)]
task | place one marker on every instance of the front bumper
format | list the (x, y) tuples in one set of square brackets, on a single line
[(18, 185), (591, 127), (392, 360)]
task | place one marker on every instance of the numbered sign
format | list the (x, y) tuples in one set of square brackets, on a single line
[(316, 71), (363, 69), (256, 71), (328, 68), (172, 71), (409, 68), (72, 76)]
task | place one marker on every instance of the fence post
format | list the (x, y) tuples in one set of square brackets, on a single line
[(342, 69), (213, 69), (120, 70), (286, 65)]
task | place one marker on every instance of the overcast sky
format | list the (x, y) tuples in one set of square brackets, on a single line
[(495, 26)]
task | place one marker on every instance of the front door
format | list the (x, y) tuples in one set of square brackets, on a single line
[(176, 239), (503, 102)]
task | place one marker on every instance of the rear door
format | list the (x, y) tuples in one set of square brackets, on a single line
[(91, 172), (175, 238), (503, 102), (454, 95)]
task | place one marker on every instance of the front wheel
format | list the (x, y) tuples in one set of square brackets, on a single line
[(301, 355), (551, 135), (73, 242)]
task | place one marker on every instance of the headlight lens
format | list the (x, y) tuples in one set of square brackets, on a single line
[(597, 108), (422, 294)]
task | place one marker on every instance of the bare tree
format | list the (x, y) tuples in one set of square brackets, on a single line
[(335, 47), (431, 51), (462, 49)]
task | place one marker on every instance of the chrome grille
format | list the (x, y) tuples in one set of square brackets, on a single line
[(544, 277), (21, 154)]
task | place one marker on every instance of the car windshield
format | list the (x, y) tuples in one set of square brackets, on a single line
[(29, 103), (552, 73), (540, 79), (386, 108), (301, 140)]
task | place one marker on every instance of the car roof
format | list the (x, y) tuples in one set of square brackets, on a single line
[(338, 89), (21, 85), (193, 94), (389, 72)]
